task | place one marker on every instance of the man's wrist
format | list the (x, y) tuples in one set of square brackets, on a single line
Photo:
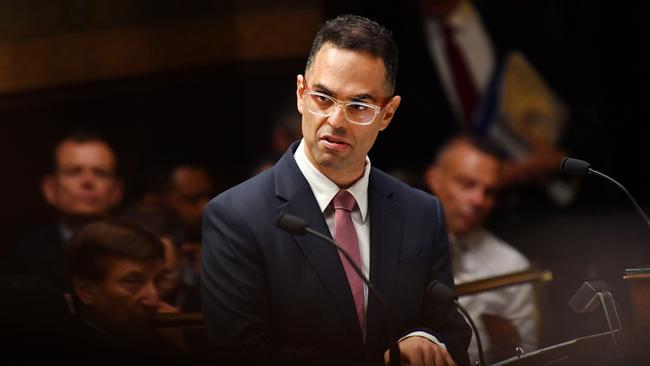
[(426, 335)]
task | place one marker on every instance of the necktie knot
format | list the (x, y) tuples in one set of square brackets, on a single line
[(344, 200)]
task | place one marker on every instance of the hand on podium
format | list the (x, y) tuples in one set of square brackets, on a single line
[(418, 351)]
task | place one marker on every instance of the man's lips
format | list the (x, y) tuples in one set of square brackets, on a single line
[(470, 218), (87, 199), (335, 143)]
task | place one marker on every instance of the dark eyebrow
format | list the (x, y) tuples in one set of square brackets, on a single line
[(357, 98), (362, 97), (322, 89)]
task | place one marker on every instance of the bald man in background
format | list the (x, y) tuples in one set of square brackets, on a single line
[(466, 178)]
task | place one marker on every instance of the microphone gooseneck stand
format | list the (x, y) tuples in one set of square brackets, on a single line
[(298, 226)]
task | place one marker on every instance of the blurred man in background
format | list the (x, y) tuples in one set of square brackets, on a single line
[(466, 179), (176, 191), (116, 268), (81, 186)]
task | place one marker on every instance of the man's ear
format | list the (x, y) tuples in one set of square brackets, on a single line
[(49, 188), (389, 111), (84, 289), (300, 89)]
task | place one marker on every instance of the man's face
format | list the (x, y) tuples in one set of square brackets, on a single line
[(84, 183), (127, 299), (334, 145), (191, 189), (466, 181)]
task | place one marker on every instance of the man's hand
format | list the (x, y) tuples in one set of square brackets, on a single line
[(419, 351), (166, 308)]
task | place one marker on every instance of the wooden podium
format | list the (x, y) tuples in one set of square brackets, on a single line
[(638, 281), (639, 285), (173, 320), (510, 279)]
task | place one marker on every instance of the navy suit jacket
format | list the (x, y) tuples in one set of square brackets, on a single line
[(270, 297)]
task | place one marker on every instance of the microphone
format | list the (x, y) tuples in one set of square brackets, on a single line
[(297, 226), (581, 168), (438, 293), (575, 167), (293, 224)]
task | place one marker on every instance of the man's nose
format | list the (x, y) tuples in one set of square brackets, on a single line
[(150, 296), (337, 118), (87, 178), (478, 197)]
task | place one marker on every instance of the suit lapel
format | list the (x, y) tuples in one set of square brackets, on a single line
[(322, 257), (385, 242)]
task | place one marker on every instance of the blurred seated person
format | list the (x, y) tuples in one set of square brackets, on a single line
[(81, 186), (178, 189), (177, 295), (184, 187), (284, 131), (116, 267), (465, 177)]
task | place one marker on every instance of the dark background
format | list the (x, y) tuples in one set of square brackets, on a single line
[(220, 105)]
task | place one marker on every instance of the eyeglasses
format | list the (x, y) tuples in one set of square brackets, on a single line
[(324, 105)]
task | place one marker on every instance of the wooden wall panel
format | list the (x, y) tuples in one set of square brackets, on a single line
[(45, 62)]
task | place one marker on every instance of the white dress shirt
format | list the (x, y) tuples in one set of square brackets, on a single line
[(324, 190), (481, 255)]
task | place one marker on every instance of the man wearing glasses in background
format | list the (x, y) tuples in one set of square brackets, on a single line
[(273, 298)]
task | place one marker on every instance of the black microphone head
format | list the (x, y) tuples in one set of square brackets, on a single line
[(575, 167), (437, 291), (438, 301), (290, 223)]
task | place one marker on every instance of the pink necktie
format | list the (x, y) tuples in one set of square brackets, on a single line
[(465, 88), (346, 236)]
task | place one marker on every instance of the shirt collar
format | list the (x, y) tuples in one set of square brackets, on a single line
[(467, 241), (323, 187)]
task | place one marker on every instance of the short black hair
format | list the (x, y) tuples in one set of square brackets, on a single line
[(357, 33), (480, 143), (158, 179), (94, 245), (79, 137)]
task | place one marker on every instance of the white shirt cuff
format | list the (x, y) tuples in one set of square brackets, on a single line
[(424, 335)]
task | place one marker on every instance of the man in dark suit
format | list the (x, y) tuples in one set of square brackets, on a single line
[(81, 186), (273, 298)]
